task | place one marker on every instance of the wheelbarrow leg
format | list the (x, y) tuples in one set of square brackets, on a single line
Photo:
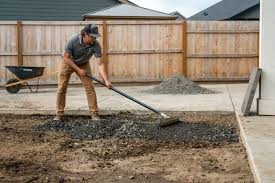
[(37, 84), (29, 87)]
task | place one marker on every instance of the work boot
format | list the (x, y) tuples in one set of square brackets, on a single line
[(95, 116), (58, 118)]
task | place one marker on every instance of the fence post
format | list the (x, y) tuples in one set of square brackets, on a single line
[(19, 43), (105, 45), (258, 49), (184, 48)]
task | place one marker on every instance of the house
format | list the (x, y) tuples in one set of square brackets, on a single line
[(52, 10), (230, 10), (179, 15), (127, 12)]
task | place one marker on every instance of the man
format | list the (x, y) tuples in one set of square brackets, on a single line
[(78, 52)]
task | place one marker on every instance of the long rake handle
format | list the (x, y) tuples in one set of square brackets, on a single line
[(125, 95)]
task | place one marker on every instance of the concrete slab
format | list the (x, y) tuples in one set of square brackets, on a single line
[(237, 93), (258, 136), (251, 90)]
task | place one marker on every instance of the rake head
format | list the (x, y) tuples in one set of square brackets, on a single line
[(168, 121)]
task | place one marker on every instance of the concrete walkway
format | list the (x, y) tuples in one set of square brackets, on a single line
[(257, 132), (258, 136), (109, 100)]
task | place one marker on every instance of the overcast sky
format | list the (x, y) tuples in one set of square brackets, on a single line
[(186, 7)]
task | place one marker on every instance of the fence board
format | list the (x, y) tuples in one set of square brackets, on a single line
[(142, 67)]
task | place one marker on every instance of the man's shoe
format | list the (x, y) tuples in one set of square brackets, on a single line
[(95, 116), (58, 118)]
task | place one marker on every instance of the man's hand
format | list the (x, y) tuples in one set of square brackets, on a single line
[(81, 72), (108, 83), (103, 72)]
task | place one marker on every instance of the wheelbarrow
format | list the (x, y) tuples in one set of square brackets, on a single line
[(24, 74)]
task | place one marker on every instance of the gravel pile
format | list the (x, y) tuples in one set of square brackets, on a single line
[(132, 128), (179, 85)]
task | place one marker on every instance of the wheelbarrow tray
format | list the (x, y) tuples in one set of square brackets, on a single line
[(25, 80), (23, 72), (13, 85)]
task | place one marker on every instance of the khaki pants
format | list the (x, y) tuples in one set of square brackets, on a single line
[(65, 72)]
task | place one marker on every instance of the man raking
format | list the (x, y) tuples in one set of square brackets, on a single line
[(78, 52)]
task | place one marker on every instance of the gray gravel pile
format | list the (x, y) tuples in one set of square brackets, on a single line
[(179, 85), (132, 128)]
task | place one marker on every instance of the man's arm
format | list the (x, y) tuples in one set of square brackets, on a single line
[(68, 59), (103, 72), (101, 64)]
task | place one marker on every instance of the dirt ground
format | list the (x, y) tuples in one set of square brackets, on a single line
[(31, 155)]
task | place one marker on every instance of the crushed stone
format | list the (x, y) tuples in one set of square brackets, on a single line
[(179, 85), (132, 127)]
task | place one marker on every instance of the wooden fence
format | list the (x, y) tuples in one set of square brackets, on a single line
[(222, 50), (139, 51)]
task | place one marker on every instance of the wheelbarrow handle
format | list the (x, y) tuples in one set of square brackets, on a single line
[(124, 94)]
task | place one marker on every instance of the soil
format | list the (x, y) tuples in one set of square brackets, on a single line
[(35, 149)]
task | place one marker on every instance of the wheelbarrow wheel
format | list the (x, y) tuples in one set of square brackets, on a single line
[(14, 88)]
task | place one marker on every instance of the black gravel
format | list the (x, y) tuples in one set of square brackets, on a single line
[(139, 128), (179, 85)]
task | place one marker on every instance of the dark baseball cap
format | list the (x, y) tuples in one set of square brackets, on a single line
[(92, 30)]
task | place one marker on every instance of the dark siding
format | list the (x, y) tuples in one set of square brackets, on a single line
[(250, 14), (224, 10), (48, 10)]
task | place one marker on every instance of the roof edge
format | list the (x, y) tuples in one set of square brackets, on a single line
[(127, 2), (87, 14), (131, 17), (101, 9)]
